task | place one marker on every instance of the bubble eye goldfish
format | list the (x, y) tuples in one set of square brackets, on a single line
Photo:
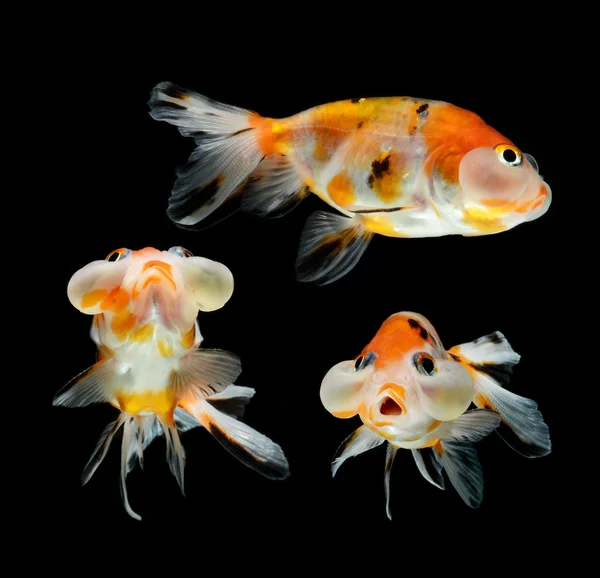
[(151, 366), (394, 166), (413, 394)]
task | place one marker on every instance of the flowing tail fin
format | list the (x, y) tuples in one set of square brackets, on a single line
[(231, 142), (490, 360), (138, 433)]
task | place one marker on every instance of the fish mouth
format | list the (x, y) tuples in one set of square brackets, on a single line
[(389, 406)]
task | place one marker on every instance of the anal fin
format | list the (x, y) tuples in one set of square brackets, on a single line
[(330, 246)]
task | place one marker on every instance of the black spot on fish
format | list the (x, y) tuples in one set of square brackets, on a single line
[(198, 133), (378, 169), (171, 105), (359, 125), (422, 331), (174, 92), (356, 100), (422, 110), (242, 130), (500, 372), (197, 198), (412, 131), (455, 357)]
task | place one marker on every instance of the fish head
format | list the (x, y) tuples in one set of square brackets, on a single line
[(401, 380), (501, 186), (171, 285)]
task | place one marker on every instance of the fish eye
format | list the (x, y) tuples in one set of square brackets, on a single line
[(509, 155), (181, 251), (363, 361), (424, 363), (532, 162), (118, 254)]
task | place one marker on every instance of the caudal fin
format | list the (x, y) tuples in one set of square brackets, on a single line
[(491, 359), (227, 150), (138, 433)]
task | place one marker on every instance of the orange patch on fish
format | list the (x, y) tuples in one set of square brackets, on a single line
[(433, 426), (164, 348), (268, 133), (341, 189), (188, 338), (93, 298), (143, 333), (394, 339), (116, 300), (122, 324), (162, 402), (343, 414)]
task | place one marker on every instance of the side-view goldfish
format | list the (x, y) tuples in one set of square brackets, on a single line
[(151, 366), (394, 166), (412, 393)]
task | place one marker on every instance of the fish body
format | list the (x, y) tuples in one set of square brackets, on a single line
[(150, 365), (394, 166), (412, 393)]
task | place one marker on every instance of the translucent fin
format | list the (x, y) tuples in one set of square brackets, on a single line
[(472, 426), (204, 372), (274, 188), (101, 449), (389, 462), (249, 446), (464, 470), (330, 246), (96, 384), (175, 453), (227, 150), (430, 466), (232, 400), (491, 354), (128, 439), (492, 359), (359, 441)]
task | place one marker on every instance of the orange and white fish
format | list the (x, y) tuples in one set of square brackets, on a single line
[(397, 166), (150, 365), (409, 391)]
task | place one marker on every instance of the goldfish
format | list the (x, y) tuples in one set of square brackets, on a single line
[(413, 394), (150, 363), (391, 166)]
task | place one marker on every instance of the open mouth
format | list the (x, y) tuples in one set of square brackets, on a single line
[(390, 407)]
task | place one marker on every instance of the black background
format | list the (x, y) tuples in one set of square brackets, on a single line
[(113, 174)]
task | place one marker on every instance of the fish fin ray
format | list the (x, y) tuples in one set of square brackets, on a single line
[(430, 466), (359, 441), (330, 246), (274, 188), (463, 470), (492, 359), (232, 400), (473, 426), (390, 454), (227, 150), (97, 384), (252, 448), (204, 372)]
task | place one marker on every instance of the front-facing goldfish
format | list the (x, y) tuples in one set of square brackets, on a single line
[(409, 391), (150, 365), (399, 167)]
